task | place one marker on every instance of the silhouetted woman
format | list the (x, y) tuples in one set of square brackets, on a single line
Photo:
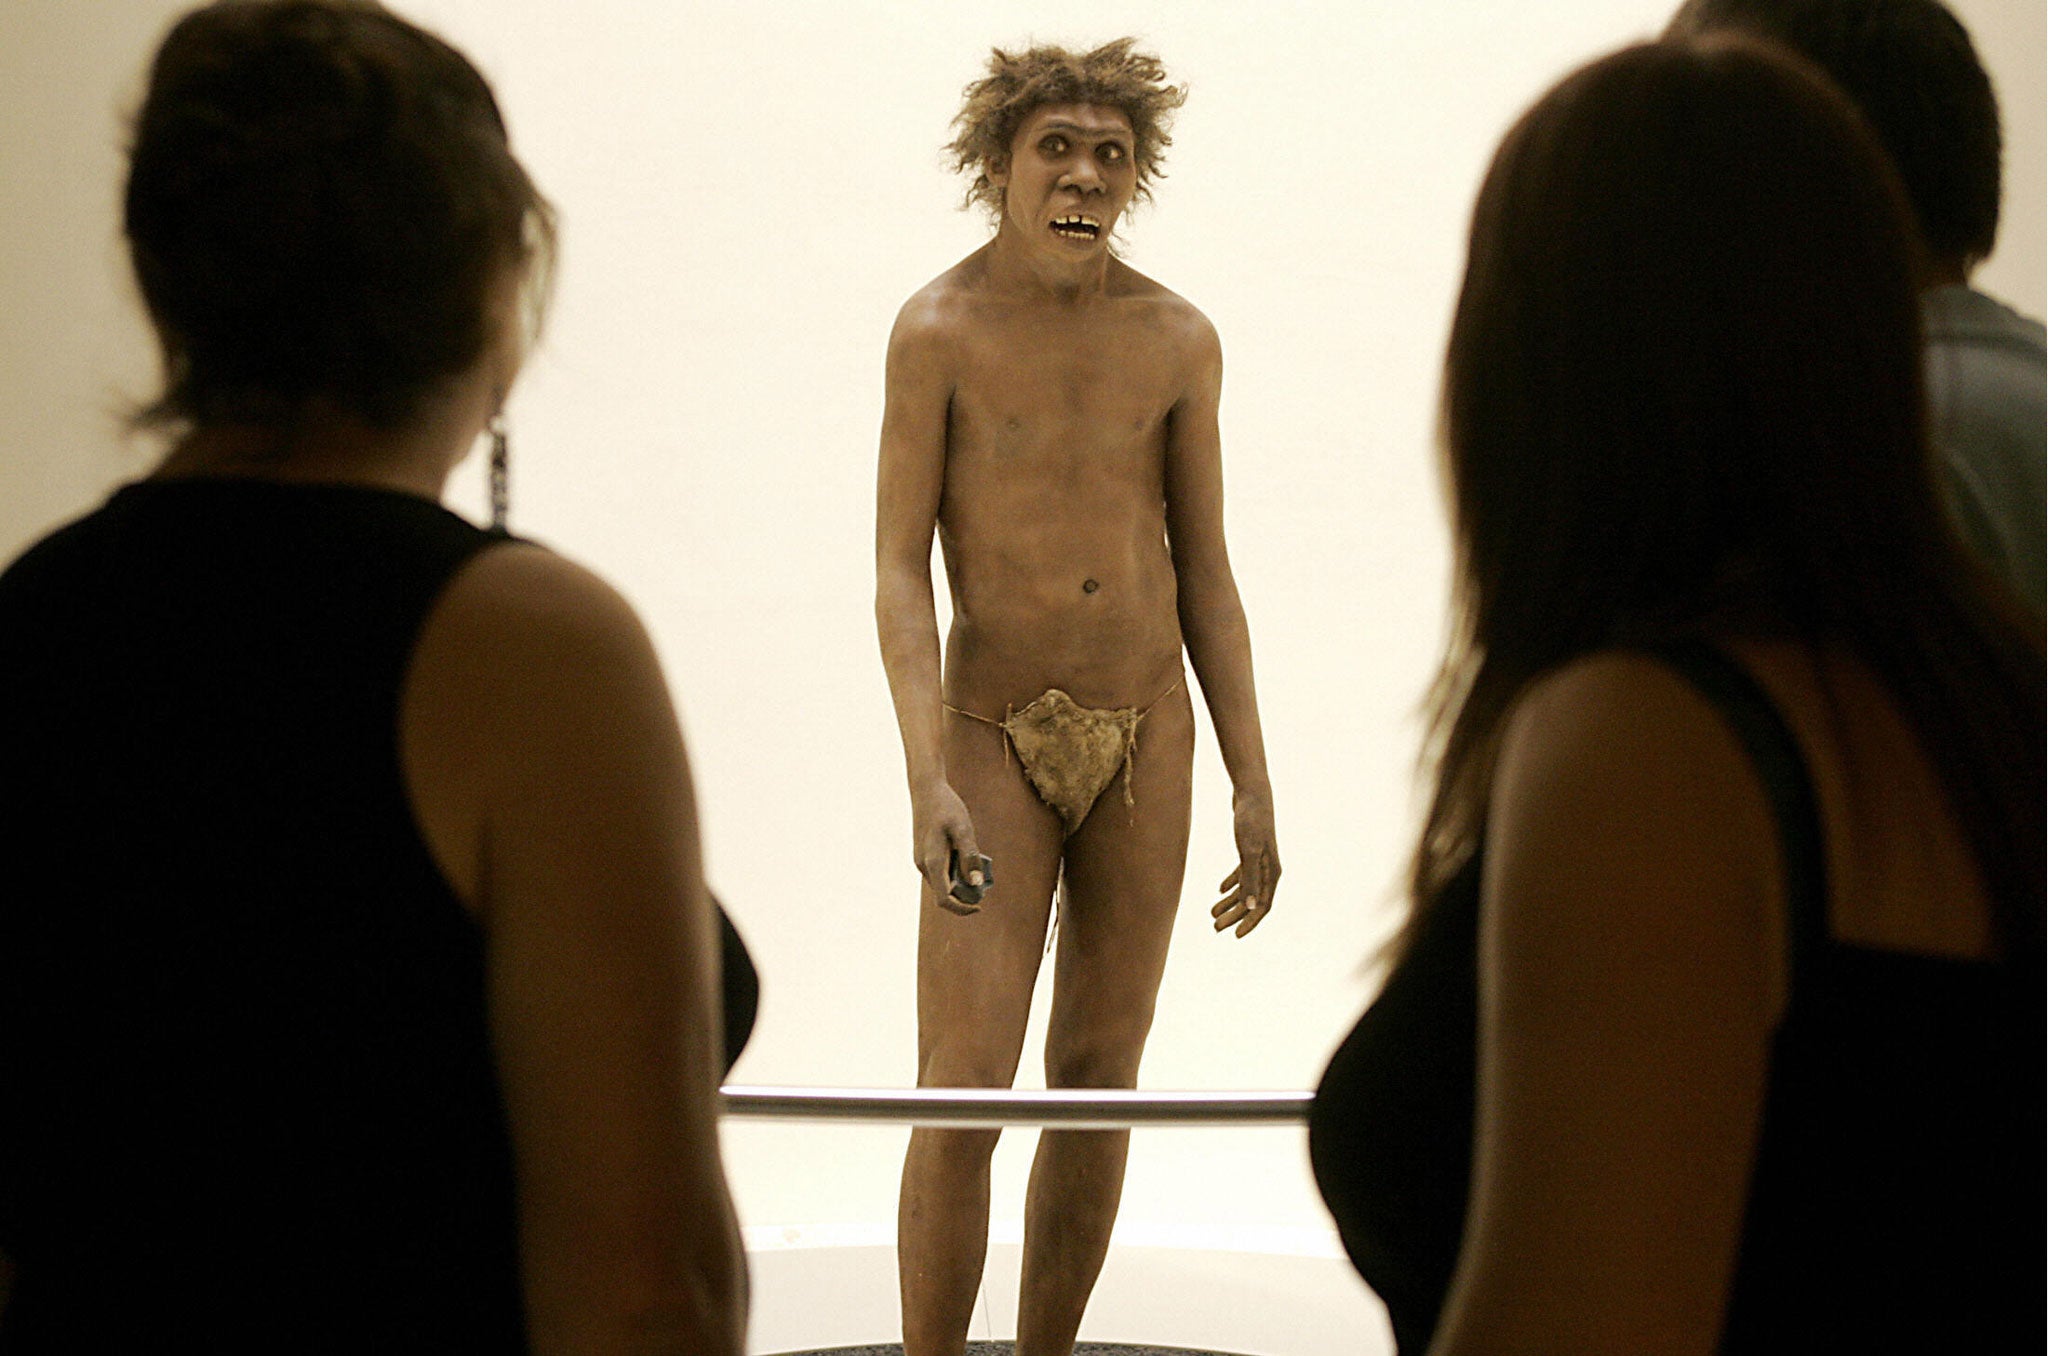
[(358, 985), (1718, 1024)]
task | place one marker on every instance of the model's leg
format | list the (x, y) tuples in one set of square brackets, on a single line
[(974, 980), (1124, 871)]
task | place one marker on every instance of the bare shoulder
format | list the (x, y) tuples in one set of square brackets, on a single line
[(1614, 767), (1166, 311), (526, 597), (937, 314), (531, 674), (1619, 790), (522, 635), (1609, 711)]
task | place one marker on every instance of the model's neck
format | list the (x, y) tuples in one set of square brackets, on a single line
[(1016, 265)]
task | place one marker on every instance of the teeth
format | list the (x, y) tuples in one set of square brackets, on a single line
[(1076, 221)]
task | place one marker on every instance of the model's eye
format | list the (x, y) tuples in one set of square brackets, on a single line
[(1112, 153), (1053, 145)]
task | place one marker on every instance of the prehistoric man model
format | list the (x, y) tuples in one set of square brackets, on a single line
[(1052, 414)]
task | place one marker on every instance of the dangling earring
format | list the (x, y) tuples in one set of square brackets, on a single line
[(501, 474)]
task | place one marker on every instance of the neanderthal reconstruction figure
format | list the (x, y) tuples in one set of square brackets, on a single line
[(1052, 414)]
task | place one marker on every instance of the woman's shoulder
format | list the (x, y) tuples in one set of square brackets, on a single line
[(1902, 873), (1624, 739), (521, 631), (523, 585), (533, 684), (1625, 712), (1626, 827)]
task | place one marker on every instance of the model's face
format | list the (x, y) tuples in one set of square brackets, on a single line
[(1070, 175)]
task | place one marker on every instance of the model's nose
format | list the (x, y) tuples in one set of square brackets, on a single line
[(1084, 175)]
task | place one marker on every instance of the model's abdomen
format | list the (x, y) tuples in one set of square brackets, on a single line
[(1065, 585)]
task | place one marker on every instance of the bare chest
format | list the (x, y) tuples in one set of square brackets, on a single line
[(1037, 394)]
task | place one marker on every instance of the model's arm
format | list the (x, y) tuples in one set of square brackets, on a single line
[(1631, 956), (1213, 626), (549, 777), (907, 490)]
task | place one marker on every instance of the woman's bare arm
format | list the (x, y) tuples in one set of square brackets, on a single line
[(550, 778), (1630, 956)]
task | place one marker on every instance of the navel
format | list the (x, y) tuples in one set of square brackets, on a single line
[(1089, 586)]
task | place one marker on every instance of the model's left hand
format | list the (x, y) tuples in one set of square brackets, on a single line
[(1248, 890)]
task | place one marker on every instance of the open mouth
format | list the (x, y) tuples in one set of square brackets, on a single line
[(1076, 226)]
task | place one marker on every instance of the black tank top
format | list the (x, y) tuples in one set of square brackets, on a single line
[(1896, 1204), (246, 1094)]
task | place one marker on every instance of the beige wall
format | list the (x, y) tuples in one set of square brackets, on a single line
[(2011, 36), (749, 190)]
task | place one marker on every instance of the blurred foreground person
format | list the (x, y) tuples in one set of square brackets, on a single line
[(358, 983), (1910, 67), (1718, 1026)]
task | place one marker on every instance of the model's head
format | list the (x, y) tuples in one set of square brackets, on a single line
[(322, 205), (1910, 66), (1114, 78)]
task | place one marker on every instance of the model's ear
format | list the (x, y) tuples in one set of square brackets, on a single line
[(997, 171)]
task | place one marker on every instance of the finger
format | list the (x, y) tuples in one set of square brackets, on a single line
[(961, 832), (1255, 911), (1229, 914), (1233, 900), (931, 865), (1260, 885), (938, 879), (1230, 881)]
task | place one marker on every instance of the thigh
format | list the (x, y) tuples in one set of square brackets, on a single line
[(1124, 869), (975, 972)]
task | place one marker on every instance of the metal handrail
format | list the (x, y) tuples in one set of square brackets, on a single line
[(993, 1108)]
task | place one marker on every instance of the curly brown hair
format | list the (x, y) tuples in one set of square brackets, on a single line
[(1114, 75)]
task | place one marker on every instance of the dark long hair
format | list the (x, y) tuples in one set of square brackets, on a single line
[(1683, 394), (320, 200)]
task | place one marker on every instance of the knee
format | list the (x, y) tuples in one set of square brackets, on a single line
[(967, 1065), (954, 1150), (1099, 1059)]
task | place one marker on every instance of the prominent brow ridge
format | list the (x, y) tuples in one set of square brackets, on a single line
[(1119, 136)]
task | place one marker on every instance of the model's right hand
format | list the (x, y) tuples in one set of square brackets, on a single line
[(940, 827)]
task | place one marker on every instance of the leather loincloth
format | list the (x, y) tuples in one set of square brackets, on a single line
[(1071, 753)]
